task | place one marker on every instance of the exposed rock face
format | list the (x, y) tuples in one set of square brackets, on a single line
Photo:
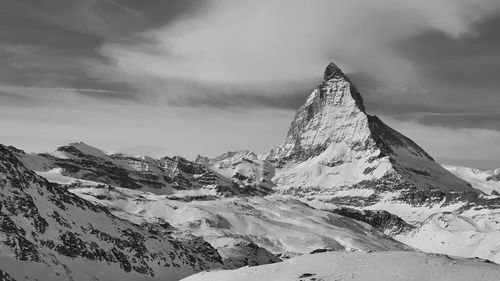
[(386, 222), (46, 231), (166, 175), (244, 168), (84, 162), (333, 142), (495, 176), (333, 113), (241, 253)]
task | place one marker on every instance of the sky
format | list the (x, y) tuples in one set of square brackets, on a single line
[(204, 77)]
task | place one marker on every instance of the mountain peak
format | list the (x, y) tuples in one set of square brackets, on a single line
[(333, 71), (334, 77), (332, 141), (78, 149), (333, 113)]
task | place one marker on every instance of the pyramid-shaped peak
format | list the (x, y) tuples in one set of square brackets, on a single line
[(335, 142), (334, 81), (333, 71)]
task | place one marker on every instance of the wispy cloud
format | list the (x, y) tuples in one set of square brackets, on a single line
[(21, 96), (237, 42), (474, 147)]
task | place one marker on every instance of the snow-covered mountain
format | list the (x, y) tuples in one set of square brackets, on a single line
[(246, 230), (337, 157), (167, 175), (381, 266), (333, 142), (488, 181), (335, 154), (244, 168), (453, 234), (48, 233), (244, 227)]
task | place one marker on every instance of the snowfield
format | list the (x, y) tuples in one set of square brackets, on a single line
[(457, 235), (479, 179), (379, 266), (254, 226), (284, 227)]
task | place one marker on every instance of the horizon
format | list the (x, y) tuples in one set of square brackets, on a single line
[(160, 77)]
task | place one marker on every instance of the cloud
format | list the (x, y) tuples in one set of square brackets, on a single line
[(248, 43), (471, 147), (54, 43), (23, 96), (82, 70), (111, 126)]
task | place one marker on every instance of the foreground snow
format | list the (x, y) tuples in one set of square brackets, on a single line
[(380, 266)]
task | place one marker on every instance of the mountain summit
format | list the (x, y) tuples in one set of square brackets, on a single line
[(333, 142)]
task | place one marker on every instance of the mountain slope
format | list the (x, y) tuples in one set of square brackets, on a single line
[(457, 235), (381, 266), (283, 227), (167, 175), (488, 181), (47, 233)]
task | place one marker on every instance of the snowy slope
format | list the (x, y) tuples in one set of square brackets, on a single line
[(244, 168), (484, 180), (457, 235), (47, 233), (284, 227), (381, 266)]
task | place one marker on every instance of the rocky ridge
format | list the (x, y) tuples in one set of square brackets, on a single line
[(46, 231)]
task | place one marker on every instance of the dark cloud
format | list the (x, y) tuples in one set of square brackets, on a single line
[(105, 18), (191, 94), (459, 75), (53, 43), (478, 120)]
